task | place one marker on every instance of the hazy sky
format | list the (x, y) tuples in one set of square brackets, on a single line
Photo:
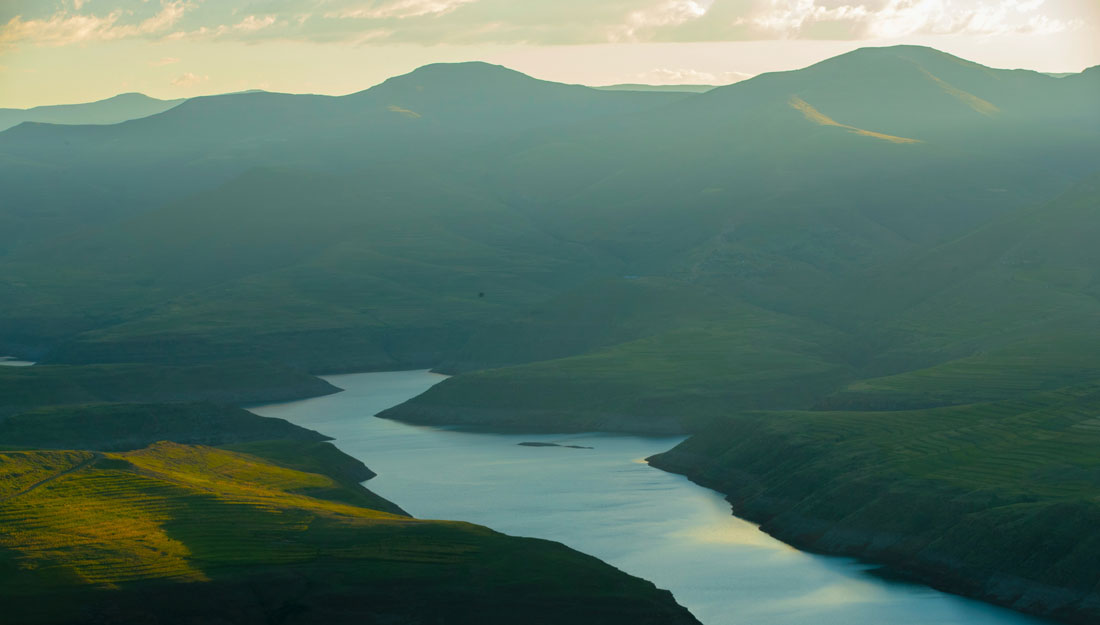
[(55, 51)]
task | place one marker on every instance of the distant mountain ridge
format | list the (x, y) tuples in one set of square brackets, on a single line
[(113, 110), (644, 87)]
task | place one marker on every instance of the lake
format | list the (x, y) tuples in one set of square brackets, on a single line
[(607, 502)]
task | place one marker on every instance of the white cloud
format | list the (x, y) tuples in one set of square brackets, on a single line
[(64, 28), (889, 19), (188, 80), (399, 9), (253, 23), (665, 13), (168, 60), (530, 22), (667, 76), (247, 26)]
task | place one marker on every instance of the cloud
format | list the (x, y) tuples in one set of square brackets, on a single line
[(65, 28), (168, 60), (666, 76), (399, 9), (188, 80), (889, 19), (545, 22), (666, 13)]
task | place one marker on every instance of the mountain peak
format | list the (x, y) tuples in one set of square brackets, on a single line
[(920, 55), (460, 77)]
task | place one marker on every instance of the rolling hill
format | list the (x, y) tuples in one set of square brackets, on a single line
[(182, 533)]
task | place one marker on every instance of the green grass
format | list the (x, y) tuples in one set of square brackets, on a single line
[(988, 499), (242, 381), (695, 357), (324, 458), (143, 522), (122, 427), (1036, 363)]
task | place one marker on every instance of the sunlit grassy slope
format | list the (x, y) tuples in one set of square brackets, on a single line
[(820, 118), (209, 532)]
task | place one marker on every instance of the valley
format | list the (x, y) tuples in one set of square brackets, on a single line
[(859, 299)]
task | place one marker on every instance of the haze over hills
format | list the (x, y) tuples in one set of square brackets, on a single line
[(113, 110), (643, 87), (891, 235)]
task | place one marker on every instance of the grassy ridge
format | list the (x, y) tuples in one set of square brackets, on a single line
[(122, 427), (323, 458), (218, 522), (655, 384), (226, 382), (990, 500), (677, 352)]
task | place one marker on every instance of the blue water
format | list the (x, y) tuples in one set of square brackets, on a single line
[(607, 502)]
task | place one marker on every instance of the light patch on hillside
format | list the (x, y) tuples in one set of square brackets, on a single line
[(981, 106), (404, 111), (822, 119)]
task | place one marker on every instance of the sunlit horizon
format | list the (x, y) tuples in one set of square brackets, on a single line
[(87, 50)]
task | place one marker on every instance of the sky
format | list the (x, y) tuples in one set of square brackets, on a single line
[(62, 51)]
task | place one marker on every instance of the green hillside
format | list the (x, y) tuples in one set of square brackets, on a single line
[(190, 533), (990, 500), (120, 427), (229, 382)]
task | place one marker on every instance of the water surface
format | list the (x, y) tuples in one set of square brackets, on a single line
[(11, 361), (607, 502)]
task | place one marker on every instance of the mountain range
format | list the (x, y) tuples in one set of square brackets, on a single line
[(120, 108)]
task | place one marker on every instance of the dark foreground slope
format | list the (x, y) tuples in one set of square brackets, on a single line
[(120, 427), (182, 534), (996, 501), (235, 382)]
